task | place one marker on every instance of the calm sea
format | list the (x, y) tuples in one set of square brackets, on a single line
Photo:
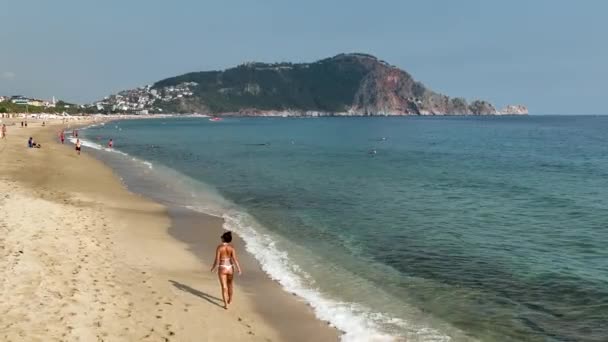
[(428, 228)]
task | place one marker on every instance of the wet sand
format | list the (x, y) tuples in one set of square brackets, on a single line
[(292, 317), (84, 259)]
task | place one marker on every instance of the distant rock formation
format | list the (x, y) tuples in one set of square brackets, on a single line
[(346, 84), (514, 110)]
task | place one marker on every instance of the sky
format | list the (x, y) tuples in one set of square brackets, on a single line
[(550, 55)]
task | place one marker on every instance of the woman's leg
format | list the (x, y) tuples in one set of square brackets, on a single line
[(230, 283), (223, 279)]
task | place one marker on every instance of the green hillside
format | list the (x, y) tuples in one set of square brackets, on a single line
[(326, 85)]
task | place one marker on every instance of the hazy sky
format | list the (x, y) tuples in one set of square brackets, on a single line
[(551, 55)]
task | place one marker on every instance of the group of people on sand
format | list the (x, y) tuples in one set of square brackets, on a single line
[(78, 144), (32, 144)]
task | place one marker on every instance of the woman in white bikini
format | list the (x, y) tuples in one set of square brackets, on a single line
[(226, 260)]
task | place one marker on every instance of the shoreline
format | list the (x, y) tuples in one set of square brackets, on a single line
[(146, 176), (270, 299), (143, 247)]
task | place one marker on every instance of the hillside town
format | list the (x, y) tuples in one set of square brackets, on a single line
[(144, 100)]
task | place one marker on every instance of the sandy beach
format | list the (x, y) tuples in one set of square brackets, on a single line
[(83, 259)]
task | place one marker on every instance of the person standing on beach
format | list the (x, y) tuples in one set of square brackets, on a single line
[(3, 132), (78, 146), (226, 260), (62, 137), (110, 144)]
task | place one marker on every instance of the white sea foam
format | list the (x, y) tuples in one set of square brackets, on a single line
[(354, 321), (98, 147), (357, 322)]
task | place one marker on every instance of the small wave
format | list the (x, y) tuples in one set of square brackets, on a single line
[(98, 147), (93, 126), (148, 164), (355, 322)]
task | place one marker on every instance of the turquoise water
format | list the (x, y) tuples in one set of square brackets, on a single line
[(476, 228)]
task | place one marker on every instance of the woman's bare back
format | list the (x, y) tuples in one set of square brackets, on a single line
[(226, 251)]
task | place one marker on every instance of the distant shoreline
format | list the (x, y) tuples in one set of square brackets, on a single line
[(292, 318)]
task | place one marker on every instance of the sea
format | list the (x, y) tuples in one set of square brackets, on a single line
[(490, 228)]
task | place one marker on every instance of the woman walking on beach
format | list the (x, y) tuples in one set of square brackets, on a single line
[(225, 258)]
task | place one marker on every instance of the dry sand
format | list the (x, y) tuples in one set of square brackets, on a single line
[(83, 259)]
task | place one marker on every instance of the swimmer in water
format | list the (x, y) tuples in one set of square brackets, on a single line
[(226, 261)]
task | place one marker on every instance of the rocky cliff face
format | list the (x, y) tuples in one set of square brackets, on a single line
[(347, 84), (390, 91)]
